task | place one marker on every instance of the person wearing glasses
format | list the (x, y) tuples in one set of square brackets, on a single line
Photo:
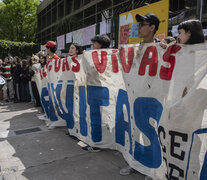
[(147, 27)]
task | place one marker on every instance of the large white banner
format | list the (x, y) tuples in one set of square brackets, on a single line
[(148, 103)]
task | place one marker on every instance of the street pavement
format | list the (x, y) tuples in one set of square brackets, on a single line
[(28, 150)]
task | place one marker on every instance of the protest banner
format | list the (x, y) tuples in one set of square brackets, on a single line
[(146, 102), (127, 19)]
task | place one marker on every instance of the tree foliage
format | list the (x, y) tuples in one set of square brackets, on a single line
[(21, 49), (18, 20), (1, 4)]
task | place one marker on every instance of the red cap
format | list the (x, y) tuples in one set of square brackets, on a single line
[(50, 44)]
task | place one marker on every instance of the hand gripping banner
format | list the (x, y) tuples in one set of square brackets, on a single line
[(146, 102)]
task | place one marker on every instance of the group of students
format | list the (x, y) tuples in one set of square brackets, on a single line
[(190, 32), (23, 71), (18, 74)]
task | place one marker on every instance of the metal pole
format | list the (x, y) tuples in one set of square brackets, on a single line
[(201, 10)]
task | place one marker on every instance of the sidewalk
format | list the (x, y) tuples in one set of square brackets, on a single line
[(28, 150)]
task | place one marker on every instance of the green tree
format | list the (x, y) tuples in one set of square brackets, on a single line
[(18, 20), (1, 4)]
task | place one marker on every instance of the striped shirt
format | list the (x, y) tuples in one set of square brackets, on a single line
[(6, 71)]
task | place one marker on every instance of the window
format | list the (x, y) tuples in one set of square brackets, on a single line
[(77, 4), (54, 14), (61, 10), (176, 5), (86, 2), (68, 7), (90, 11)]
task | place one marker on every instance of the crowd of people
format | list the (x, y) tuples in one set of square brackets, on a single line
[(20, 73)]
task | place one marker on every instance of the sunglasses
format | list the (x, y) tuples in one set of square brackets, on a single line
[(141, 24)]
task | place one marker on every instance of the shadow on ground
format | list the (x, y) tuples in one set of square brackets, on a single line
[(49, 154)]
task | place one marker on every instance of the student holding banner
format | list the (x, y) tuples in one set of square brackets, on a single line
[(101, 41), (147, 27), (51, 49), (75, 50), (98, 42), (190, 32)]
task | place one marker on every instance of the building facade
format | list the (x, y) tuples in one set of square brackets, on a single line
[(56, 17)]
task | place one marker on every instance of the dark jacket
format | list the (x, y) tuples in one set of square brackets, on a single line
[(24, 75), (16, 73)]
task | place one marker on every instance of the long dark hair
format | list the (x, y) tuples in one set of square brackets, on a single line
[(78, 48), (196, 30), (44, 57), (24, 64)]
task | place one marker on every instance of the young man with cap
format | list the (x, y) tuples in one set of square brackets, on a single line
[(51, 49), (101, 41), (147, 27)]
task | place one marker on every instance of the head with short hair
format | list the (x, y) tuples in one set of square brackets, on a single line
[(150, 18), (190, 32), (101, 41), (51, 46)]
